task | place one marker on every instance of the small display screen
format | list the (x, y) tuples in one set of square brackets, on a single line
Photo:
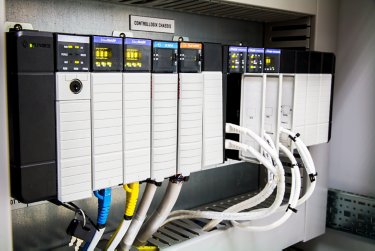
[(73, 53), (255, 58), (164, 57), (272, 61), (107, 53), (190, 57), (137, 55), (236, 60)]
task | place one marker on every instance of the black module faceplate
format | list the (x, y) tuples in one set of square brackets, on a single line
[(31, 104), (72, 53), (107, 53), (137, 55), (190, 57), (212, 57), (288, 61), (255, 60), (164, 57), (271, 61)]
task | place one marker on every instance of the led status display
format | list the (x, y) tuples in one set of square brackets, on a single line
[(73, 53), (272, 61), (255, 58), (236, 60), (190, 57), (107, 53), (137, 55)]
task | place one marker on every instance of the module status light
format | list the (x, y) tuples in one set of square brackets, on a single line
[(107, 53), (272, 61), (255, 58), (236, 59), (137, 55)]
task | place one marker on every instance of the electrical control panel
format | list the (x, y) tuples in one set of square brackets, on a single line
[(107, 53), (213, 118), (255, 60), (237, 59), (271, 61), (164, 57), (190, 109), (164, 110), (137, 55), (72, 53), (137, 110), (106, 112), (73, 117), (31, 109)]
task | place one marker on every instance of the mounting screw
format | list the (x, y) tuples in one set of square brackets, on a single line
[(17, 27)]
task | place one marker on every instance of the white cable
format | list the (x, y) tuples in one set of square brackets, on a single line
[(138, 218), (279, 177), (121, 232), (253, 201), (161, 213), (96, 239), (307, 161), (296, 184)]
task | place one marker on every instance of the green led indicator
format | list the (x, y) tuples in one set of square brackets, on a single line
[(31, 45)]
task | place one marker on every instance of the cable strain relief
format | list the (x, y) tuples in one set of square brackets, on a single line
[(150, 181), (178, 178), (291, 208), (100, 226), (312, 177), (126, 217)]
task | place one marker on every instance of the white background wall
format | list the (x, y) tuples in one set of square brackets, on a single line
[(5, 233), (352, 147), (351, 151)]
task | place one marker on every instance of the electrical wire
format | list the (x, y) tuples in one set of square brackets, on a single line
[(132, 193), (104, 203), (161, 213), (139, 217)]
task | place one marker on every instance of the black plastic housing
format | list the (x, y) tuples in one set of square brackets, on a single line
[(212, 57), (190, 57), (31, 108), (72, 53), (164, 56)]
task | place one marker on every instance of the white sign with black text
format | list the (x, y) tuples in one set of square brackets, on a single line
[(140, 23)]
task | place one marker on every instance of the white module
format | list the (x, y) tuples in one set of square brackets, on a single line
[(272, 107), (73, 129), (164, 125), (190, 123), (308, 99), (252, 109), (212, 119), (106, 117), (286, 113), (136, 126)]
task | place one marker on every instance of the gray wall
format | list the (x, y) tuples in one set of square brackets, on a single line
[(93, 17), (351, 150), (352, 147), (99, 17)]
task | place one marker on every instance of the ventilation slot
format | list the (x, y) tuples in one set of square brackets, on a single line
[(294, 34)]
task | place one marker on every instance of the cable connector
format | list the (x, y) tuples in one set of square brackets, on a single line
[(312, 177), (295, 137), (104, 204), (178, 178), (291, 208), (158, 184)]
